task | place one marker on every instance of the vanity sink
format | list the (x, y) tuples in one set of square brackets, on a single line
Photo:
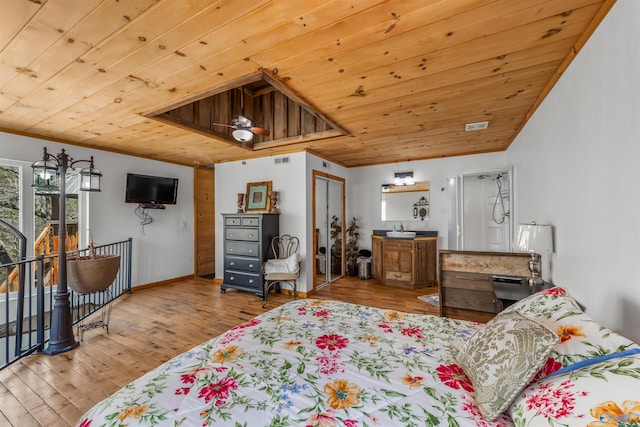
[(405, 234)]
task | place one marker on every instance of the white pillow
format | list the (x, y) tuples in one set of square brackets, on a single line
[(284, 265)]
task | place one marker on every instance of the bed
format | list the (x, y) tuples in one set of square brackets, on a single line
[(542, 361)]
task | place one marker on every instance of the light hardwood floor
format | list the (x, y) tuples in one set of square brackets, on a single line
[(147, 328)]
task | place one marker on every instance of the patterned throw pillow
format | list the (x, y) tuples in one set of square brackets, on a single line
[(581, 337), (502, 357)]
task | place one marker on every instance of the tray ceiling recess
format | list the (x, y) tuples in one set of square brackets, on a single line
[(273, 109)]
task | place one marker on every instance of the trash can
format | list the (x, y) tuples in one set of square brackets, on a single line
[(364, 268), (321, 263)]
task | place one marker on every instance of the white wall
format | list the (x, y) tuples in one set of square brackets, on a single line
[(166, 250), (578, 168), (364, 183)]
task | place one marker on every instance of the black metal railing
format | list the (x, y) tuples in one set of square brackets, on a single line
[(26, 312)]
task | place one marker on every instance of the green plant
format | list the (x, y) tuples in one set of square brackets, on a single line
[(353, 234), (336, 246)]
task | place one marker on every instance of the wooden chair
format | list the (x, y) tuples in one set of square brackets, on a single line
[(285, 268)]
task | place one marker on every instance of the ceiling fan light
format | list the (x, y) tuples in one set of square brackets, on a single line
[(242, 134)]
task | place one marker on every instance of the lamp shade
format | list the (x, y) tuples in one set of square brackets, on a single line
[(534, 238)]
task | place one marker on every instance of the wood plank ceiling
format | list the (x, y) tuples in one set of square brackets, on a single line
[(401, 77)]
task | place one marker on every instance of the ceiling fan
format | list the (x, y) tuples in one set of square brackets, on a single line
[(243, 128)]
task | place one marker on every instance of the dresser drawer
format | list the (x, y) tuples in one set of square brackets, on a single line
[(398, 276), (242, 248), (233, 220), (248, 234), (472, 300), (244, 264), (237, 278), (252, 221)]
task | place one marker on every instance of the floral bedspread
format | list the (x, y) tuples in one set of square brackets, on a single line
[(309, 363), (327, 364)]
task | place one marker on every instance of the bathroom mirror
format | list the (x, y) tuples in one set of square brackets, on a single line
[(405, 202)]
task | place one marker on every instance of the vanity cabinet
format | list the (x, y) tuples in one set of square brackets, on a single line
[(407, 263), (247, 240)]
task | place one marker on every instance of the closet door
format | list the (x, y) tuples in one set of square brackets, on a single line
[(329, 228)]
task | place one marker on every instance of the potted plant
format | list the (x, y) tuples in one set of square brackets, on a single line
[(336, 247), (353, 234)]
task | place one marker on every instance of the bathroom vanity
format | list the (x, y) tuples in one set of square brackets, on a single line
[(407, 262)]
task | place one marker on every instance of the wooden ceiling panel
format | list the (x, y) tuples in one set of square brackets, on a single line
[(401, 76)]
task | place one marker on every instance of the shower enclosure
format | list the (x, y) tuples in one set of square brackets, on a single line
[(480, 207)]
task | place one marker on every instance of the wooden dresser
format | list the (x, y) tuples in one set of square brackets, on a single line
[(477, 285), (247, 240)]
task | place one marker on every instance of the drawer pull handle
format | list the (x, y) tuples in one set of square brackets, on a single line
[(250, 250), (232, 263), (232, 278), (250, 280), (250, 265), (230, 249), (250, 235)]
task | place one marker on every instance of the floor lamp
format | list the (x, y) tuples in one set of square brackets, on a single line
[(535, 239), (49, 175)]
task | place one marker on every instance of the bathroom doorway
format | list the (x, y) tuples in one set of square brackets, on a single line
[(480, 211)]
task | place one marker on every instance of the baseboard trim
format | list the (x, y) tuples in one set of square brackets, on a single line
[(215, 281), (160, 283)]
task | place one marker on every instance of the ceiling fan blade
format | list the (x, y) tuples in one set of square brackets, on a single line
[(223, 125), (260, 131)]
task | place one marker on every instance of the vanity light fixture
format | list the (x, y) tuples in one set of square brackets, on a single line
[(403, 178)]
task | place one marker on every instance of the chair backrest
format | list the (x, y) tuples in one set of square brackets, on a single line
[(284, 246)]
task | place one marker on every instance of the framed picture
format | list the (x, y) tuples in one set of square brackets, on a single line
[(258, 195)]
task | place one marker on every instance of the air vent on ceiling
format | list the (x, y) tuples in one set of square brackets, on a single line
[(282, 160), (476, 126)]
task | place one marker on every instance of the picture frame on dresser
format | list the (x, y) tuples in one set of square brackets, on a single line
[(258, 199)]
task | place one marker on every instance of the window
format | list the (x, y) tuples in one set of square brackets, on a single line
[(46, 217), (9, 212)]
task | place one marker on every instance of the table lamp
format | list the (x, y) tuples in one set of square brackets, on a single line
[(536, 240)]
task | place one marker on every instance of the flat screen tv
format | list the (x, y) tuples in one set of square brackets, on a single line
[(151, 190)]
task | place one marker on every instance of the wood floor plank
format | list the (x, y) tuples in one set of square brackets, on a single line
[(147, 328)]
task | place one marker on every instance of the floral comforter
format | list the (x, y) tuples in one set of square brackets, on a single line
[(309, 363), (327, 364)]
